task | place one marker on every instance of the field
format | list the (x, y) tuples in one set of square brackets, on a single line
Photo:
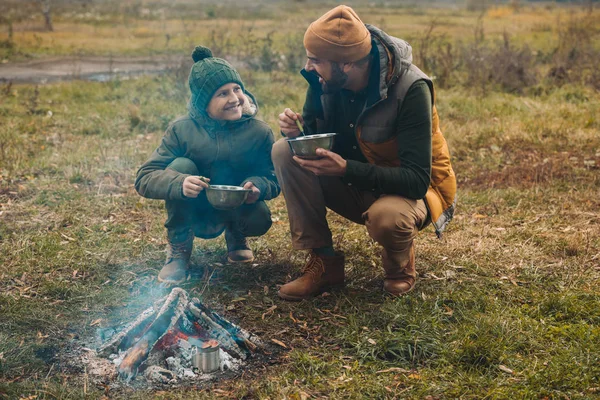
[(506, 305)]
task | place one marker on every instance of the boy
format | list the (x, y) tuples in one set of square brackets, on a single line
[(220, 142)]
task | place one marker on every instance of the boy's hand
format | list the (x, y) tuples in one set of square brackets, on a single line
[(287, 123), (254, 195), (193, 185)]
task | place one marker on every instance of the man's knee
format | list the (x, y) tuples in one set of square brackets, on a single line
[(391, 219), (281, 153), (184, 165)]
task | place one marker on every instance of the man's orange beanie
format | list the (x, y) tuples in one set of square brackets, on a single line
[(339, 36)]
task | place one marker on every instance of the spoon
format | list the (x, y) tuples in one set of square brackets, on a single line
[(299, 125), (203, 179)]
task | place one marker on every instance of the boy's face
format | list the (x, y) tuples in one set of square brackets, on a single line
[(226, 103)]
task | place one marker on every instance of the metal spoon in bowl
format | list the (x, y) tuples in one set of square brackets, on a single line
[(299, 125), (205, 180)]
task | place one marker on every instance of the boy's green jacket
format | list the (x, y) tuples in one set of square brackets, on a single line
[(230, 153)]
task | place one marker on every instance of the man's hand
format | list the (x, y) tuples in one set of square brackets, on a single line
[(287, 123), (332, 164), (252, 196), (193, 185)]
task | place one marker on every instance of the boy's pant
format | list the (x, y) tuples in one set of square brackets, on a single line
[(393, 221), (207, 222)]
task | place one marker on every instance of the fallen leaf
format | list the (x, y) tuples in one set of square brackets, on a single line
[(68, 237), (304, 396), (414, 375), (280, 343), (504, 368), (238, 299), (269, 311), (371, 341), (395, 369)]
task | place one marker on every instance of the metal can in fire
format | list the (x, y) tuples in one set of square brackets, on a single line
[(207, 358)]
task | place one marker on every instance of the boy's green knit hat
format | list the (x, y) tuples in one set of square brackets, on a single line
[(206, 76)]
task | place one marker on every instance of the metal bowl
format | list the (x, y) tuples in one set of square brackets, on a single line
[(223, 197), (306, 146)]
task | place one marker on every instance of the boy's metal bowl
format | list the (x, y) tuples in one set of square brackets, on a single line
[(223, 197), (306, 146)]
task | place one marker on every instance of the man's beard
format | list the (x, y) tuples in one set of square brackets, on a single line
[(336, 82)]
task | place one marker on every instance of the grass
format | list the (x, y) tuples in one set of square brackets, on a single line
[(506, 304)]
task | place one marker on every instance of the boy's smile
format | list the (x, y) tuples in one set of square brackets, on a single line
[(226, 103)]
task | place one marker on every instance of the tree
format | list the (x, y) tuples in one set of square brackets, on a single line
[(46, 10)]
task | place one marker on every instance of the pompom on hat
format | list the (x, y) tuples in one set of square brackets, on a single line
[(206, 76), (339, 36)]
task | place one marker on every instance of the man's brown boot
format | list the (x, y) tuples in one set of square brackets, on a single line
[(398, 279), (179, 250), (238, 250), (319, 273)]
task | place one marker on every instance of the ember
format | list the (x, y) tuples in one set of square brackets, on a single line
[(176, 338)]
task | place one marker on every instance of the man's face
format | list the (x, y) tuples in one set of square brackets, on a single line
[(226, 103), (331, 76)]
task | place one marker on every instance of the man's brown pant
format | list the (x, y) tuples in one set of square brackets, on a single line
[(393, 221)]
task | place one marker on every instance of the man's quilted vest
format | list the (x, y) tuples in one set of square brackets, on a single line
[(376, 134)]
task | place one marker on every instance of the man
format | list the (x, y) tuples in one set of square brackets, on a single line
[(389, 168)]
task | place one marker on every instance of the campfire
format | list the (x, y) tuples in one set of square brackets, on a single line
[(176, 339)]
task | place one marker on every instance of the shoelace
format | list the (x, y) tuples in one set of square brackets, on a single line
[(178, 250), (314, 266)]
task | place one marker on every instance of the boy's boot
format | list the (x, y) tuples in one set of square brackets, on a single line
[(238, 250), (179, 250), (319, 273), (399, 279)]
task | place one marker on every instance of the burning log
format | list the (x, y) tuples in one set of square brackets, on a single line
[(231, 337), (127, 336), (166, 317)]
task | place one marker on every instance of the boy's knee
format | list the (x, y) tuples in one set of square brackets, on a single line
[(258, 222), (184, 165), (281, 154)]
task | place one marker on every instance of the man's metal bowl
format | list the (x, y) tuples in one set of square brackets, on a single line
[(223, 197), (306, 146)]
